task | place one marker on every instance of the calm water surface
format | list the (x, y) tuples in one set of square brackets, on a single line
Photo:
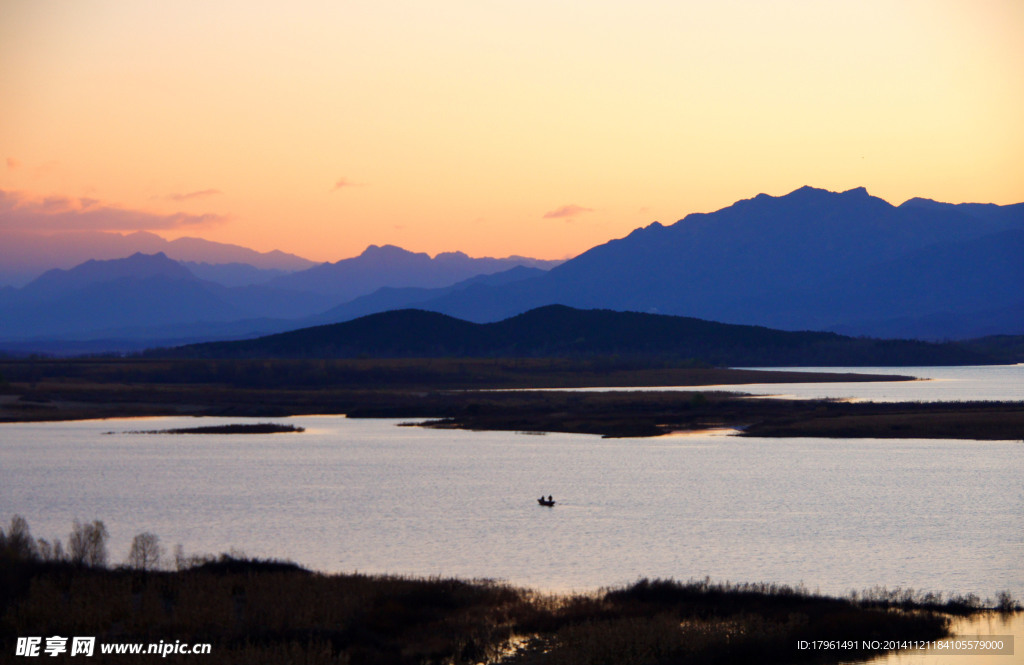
[(993, 624), (371, 496), (937, 384)]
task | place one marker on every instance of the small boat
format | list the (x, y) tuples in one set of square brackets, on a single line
[(546, 502)]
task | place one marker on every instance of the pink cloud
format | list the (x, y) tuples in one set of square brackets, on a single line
[(58, 213), (344, 183), (566, 211), (201, 194), (12, 163)]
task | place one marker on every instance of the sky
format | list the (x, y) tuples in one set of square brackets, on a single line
[(534, 128)]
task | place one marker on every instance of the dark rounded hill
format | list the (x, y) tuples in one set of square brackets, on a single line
[(560, 331), (399, 334)]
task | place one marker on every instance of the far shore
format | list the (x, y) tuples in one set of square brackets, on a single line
[(477, 394), (234, 428)]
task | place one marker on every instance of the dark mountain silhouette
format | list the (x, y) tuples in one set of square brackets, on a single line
[(812, 259), (557, 331), (390, 266)]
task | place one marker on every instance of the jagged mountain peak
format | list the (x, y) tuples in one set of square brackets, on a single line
[(384, 251), (381, 266), (812, 259), (137, 266), (809, 193)]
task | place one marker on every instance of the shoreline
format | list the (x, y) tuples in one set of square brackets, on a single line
[(272, 611), (608, 414), (485, 394)]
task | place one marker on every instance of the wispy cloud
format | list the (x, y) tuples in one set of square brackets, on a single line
[(189, 196), (566, 212), (12, 163), (57, 213), (344, 183)]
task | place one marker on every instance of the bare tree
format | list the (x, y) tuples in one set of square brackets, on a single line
[(88, 544), (180, 560), (46, 550), (145, 552), (18, 539)]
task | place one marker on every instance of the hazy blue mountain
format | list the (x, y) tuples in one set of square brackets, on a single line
[(25, 256), (207, 251), (388, 298), (390, 266), (127, 301), (556, 331), (233, 274), (136, 296), (59, 282), (810, 260), (152, 297)]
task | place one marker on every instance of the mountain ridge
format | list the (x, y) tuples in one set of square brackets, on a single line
[(380, 266), (808, 260), (560, 331), (25, 256), (114, 299), (779, 261)]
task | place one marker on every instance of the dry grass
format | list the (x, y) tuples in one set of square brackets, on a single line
[(456, 393), (276, 612)]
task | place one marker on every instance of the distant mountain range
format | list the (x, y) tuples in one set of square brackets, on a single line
[(559, 331), (391, 267), (141, 300), (810, 260), (25, 256), (134, 294)]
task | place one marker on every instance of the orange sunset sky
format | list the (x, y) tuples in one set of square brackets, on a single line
[(537, 128)]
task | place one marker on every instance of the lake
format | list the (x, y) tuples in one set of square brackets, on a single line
[(373, 496), (1003, 383)]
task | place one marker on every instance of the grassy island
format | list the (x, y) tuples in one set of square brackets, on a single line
[(486, 394), (234, 428)]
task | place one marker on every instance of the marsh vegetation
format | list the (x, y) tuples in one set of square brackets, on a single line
[(233, 428), (476, 394), (255, 610)]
